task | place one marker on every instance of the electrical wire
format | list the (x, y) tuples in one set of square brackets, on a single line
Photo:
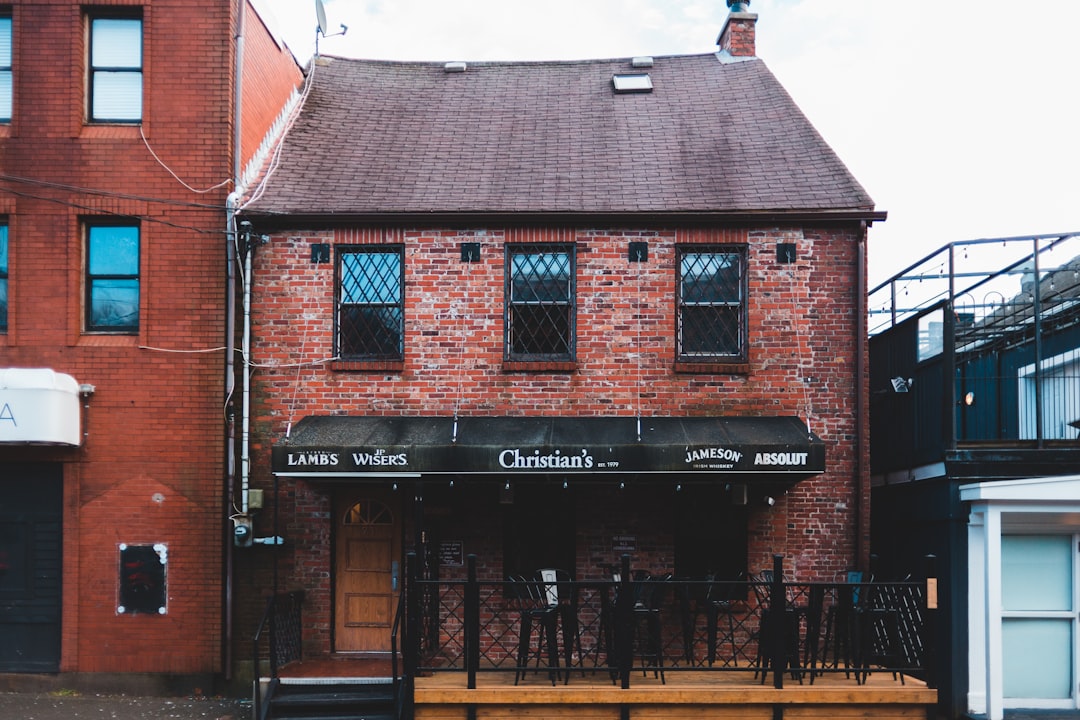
[(800, 340), (111, 213), (169, 350), (107, 193), (160, 162), (275, 157)]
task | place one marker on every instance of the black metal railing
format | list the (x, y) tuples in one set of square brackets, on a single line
[(396, 679), (630, 624), (279, 635)]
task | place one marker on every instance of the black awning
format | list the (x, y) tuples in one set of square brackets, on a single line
[(764, 448)]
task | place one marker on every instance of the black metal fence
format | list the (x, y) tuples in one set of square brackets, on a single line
[(553, 628), (279, 637)]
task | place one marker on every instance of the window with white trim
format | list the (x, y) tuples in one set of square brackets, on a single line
[(116, 69), (1050, 397), (5, 68)]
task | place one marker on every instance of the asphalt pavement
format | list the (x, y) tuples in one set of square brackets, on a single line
[(68, 705)]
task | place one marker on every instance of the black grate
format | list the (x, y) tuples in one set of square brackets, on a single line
[(540, 303), (371, 314), (712, 308)]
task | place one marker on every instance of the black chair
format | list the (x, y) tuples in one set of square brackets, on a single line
[(691, 597), (561, 593), (719, 604), (774, 630), (535, 610), (841, 626), (650, 594)]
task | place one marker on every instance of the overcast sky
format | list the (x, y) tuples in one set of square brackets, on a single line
[(959, 117)]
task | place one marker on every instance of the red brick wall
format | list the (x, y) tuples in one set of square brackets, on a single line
[(151, 467), (802, 330), (270, 76)]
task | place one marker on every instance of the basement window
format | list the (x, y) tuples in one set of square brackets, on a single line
[(632, 83)]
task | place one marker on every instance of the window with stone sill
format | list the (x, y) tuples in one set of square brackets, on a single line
[(5, 68), (370, 319), (112, 276), (539, 303), (711, 305), (3, 277), (115, 77)]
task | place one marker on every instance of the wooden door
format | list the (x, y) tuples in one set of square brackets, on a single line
[(366, 574)]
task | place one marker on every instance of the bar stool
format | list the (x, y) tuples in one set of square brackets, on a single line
[(535, 610), (561, 593), (651, 593)]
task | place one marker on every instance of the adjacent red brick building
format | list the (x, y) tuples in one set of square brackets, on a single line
[(550, 313), (119, 148)]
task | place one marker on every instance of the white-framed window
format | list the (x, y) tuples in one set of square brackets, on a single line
[(5, 67), (1058, 388), (116, 69), (1038, 619)]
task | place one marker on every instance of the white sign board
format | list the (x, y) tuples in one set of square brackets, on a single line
[(38, 406)]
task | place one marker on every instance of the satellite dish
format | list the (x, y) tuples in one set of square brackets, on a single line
[(320, 15)]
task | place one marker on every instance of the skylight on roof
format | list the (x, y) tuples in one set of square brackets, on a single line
[(632, 83)]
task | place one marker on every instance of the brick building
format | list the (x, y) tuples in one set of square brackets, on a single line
[(120, 144), (549, 314)]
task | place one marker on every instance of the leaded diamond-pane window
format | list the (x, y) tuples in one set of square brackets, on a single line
[(371, 305), (539, 302), (712, 304)]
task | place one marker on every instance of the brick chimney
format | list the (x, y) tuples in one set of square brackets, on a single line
[(737, 36)]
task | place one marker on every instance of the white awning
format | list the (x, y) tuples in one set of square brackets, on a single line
[(38, 406)]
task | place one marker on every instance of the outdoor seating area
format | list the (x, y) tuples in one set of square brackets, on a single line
[(728, 648), (552, 629), (553, 646)]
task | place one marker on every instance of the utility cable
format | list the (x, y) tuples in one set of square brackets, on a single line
[(160, 162)]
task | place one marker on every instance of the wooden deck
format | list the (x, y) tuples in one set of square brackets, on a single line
[(685, 695)]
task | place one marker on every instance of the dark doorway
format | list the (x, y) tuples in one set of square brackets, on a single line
[(710, 534), (31, 540), (539, 531)]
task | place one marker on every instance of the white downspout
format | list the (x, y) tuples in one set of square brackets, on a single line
[(245, 354), (230, 417)]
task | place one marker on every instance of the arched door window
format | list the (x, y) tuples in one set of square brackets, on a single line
[(369, 512)]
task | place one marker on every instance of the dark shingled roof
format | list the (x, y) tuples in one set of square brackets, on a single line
[(377, 138)]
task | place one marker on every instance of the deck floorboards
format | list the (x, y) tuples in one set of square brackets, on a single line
[(684, 694)]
